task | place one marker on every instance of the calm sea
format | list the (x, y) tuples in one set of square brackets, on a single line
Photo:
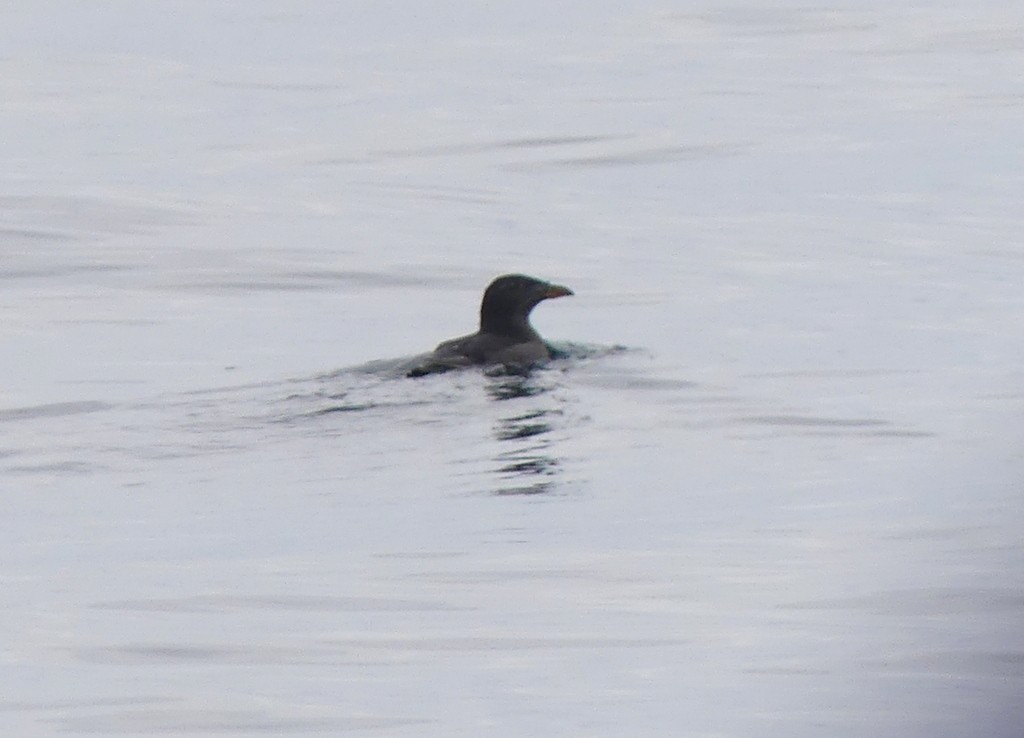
[(773, 489)]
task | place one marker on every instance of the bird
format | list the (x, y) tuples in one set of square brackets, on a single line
[(505, 336)]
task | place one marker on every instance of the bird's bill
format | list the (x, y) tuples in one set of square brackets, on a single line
[(557, 290)]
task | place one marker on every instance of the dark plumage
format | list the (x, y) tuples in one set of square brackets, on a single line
[(505, 335)]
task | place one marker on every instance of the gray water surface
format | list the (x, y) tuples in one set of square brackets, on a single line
[(772, 489)]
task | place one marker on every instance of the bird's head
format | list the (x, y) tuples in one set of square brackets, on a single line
[(509, 299)]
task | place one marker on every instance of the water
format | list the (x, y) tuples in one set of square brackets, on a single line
[(773, 489)]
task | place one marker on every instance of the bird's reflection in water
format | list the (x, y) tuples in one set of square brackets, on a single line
[(528, 467)]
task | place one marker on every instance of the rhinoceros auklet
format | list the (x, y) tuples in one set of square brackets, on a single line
[(505, 335)]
